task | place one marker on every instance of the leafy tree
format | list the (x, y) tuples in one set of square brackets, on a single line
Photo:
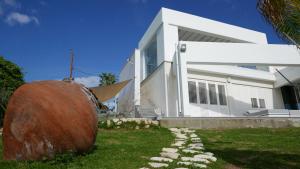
[(11, 77), (284, 16), (107, 79)]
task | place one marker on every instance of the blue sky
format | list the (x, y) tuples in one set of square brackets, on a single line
[(38, 34)]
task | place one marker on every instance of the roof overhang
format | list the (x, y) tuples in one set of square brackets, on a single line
[(213, 53)]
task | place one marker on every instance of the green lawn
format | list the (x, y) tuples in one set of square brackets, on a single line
[(131, 149), (254, 148), (115, 149)]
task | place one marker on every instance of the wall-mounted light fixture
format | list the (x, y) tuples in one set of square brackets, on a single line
[(129, 60), (182, 47)]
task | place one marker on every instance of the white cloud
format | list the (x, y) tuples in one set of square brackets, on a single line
[(18, 18), (90, 81), (1, 10), (43, 3), (139, 1), (10, 2)]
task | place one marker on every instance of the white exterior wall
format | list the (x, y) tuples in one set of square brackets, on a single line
[(172, 94), (153, 91), (239, 92), (129, 97)]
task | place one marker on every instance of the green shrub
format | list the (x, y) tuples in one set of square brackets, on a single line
[(127, 124)]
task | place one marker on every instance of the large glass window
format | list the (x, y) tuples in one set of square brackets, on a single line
[(254, 103), (151, 57), (212, 94), (263, 68), (192, 92), (262, 103), (202, 93), (222, 96)]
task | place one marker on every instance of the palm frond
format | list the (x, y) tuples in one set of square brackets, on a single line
[(284, 16)]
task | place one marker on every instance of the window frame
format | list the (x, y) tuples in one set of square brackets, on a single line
[(252, 103), (216, 94), (147, 72), (223, 96), (207, 82), (264, 103), (206, 92), (194, 93)]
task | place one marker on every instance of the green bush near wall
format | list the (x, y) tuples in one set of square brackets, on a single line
[(128, 124)]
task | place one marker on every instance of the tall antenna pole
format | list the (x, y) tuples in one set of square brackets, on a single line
[(71, 65)]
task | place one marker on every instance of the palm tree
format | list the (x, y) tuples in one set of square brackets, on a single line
[(284, 16), (107, 79)]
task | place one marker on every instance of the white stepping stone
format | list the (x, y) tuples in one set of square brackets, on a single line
[(197, 148), (181, 136), (181, 168), (209, 153), (180, 139), (199, 165), (158, 165), (196, 139), (170, 155), (204, 156), (186, 130), (170, 150), (174, 129), (144, 168), (191, 159), (178, 143), (161, 159), (190, 151), (195, 145), (202, 160), (193, 135), (184, 163)]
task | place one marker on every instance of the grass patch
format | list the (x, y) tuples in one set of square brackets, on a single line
[(254, 148), (114, 149)]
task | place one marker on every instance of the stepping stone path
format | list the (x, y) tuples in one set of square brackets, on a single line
[(187, 151)]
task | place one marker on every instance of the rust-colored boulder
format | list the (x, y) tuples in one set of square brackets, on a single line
[(48, 117)]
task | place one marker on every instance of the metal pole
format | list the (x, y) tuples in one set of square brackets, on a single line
[(71, 65), (178, 79)]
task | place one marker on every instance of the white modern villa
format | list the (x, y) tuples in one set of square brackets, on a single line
[(189, 66)]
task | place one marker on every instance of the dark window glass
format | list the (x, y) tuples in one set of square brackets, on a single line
[(222, 96), (192, 92), (151, 57), (254, 103), (202, 93), (262, 103), (212, 94), (248, 66)]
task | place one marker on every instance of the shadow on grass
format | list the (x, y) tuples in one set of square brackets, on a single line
[(68, 157), (258, 159)]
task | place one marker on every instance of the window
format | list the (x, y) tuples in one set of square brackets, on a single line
[(263, 68), (212, 94), (202, 93), (151, 57), (192, 92), (254, 103), (249, 66), (222, 96), (262, 103)]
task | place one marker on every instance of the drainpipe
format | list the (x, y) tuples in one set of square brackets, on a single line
[(179, 112)]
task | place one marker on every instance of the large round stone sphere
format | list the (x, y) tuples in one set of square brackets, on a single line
[(46, 118)]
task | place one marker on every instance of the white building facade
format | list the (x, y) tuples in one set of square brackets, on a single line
[(189, 66)]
